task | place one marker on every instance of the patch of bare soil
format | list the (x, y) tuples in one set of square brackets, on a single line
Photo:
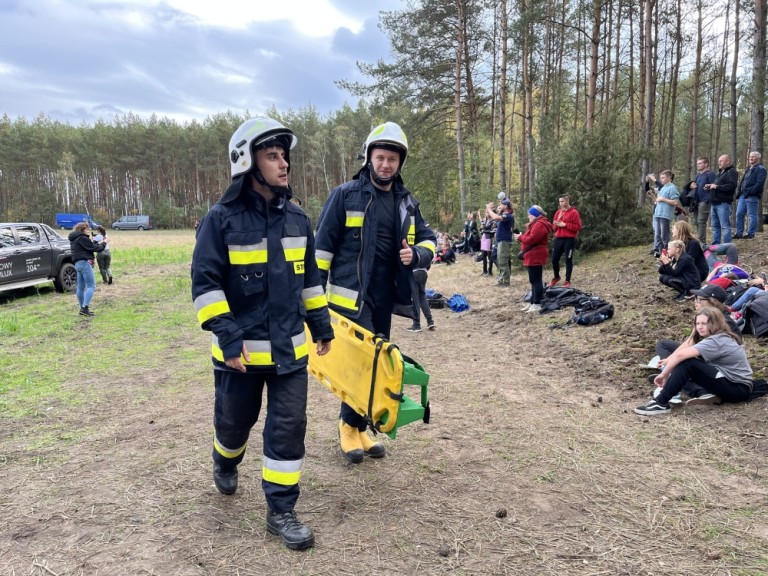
[(533, 462)]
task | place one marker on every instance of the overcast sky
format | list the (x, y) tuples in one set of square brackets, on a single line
[(81, 60)]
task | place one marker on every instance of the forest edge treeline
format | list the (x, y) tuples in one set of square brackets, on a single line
[(534, 97)]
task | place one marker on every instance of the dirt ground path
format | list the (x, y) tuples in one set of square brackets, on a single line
[(532, 464)]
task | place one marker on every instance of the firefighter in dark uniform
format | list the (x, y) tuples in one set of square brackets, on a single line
[(370, 237), (255, 282)]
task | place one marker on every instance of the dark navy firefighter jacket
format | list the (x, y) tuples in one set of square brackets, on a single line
[(255, 281), (346, 244)]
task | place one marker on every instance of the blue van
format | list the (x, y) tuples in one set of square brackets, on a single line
[(133, 223), (68, 221)]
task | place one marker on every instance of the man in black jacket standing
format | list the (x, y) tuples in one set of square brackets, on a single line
[(721, 197), (750, 191)]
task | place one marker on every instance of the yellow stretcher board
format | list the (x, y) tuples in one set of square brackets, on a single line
[(370, 374)]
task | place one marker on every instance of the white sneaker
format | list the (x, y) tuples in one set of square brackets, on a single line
[(533, 308), (676, 399), (525, 308)]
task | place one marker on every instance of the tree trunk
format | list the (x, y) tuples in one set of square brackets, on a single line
[(457, 105), (503, 100), (757, 132), (594, 47)]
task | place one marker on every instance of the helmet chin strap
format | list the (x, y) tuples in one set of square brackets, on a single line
[(281, 192), (378, 179)]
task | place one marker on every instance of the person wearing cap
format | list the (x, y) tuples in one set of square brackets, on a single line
[(370, 237), (714, 366), (534, 248), (567, 224), (505, 222), (255, 282)]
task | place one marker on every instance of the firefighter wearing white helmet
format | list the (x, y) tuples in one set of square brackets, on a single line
[(387, 136), (370, 237), (255, 282)]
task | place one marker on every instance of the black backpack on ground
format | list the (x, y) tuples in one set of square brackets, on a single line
[(591, 311), (755, 314), (558, 298)]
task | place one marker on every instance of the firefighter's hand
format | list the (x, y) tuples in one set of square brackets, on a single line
[(323, 347), (406, 254), (236, 363)]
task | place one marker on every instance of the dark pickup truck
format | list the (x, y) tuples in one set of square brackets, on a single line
[(32, 254)]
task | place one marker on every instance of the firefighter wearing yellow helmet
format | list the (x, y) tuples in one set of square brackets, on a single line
[(370, 237)]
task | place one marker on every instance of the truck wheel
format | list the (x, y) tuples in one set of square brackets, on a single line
[(141, 228), (66, 279)]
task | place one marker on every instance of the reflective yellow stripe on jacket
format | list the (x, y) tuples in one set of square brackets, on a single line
[(324, 259), (313, 298), (260, 351), (354, 219), (283, 472), (295, 247), (342, 297), (429, 245), (248, 254), (211, 304)]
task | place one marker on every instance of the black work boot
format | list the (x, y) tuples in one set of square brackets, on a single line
[(84, 311), (225, 479), (294, 534)]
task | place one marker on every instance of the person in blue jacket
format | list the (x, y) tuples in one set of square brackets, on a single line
[(255, 282), (749, 194), (370, 237)]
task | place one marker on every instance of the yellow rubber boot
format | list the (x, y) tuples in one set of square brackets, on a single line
[(371, 447), (351, 447)]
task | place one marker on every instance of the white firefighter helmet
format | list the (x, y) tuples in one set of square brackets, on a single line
[(390, 136), (259, 132)]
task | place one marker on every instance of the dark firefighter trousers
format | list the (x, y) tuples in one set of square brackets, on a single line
[(236, 411)]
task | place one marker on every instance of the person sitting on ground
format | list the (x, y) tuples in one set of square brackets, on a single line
[(716, 362), (444, 254), (682, 231), (678, 271), (712, 251), (758, 288), (710, 296)]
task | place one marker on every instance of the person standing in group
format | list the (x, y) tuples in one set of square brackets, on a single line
[(567, 224), (370, 237), (750, 192), (700, 207), (505, 222), (103, 258), (420, 304), (534, 246), (487, 232), (254, 283), (721, 193), (83, 249), (666, 199)]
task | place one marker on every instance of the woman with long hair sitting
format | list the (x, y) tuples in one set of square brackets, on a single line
[(716, 362)]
